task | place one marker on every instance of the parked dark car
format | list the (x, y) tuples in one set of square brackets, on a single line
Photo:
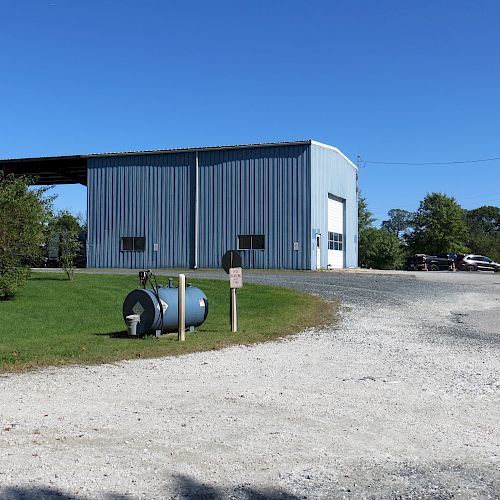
[(417, 262), (478, 263), (442, 261), (439, 262)]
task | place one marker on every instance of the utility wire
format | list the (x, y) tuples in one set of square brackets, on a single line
[(431, 162)]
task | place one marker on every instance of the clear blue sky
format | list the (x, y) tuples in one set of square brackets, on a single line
[(387, 80)]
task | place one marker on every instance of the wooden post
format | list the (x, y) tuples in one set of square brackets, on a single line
[(182, 308), (234, 310), (235, 282)]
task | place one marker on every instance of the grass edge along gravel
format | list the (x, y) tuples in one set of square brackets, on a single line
[(56, 322)]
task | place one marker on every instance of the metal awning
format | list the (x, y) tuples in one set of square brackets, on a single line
[(49, 170)]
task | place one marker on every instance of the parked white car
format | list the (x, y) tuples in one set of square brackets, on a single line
[(478, 263)]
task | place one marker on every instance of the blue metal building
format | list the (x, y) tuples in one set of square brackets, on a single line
[(185, 208), (283, 205)]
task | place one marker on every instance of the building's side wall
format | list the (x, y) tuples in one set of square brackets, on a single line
[(332, 174), (263, 191), (258, 191), (141, 195)]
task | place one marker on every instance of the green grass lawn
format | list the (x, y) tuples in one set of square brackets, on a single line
[(53, 321)]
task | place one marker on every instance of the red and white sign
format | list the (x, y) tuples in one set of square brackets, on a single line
[(235, 277)]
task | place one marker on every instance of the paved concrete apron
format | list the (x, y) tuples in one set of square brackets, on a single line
[(400, 400)]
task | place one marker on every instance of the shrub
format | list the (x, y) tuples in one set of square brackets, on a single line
[(23, 216), (380, 249), (12, 277)]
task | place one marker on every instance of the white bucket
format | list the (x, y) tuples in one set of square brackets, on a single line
[(132, 322)]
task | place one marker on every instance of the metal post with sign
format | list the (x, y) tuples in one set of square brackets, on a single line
[(235, 282), (231, 262)]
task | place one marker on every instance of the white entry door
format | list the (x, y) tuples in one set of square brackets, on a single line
[(336, 243)]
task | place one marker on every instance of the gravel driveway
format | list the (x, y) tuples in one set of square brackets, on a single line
[(400, 401)]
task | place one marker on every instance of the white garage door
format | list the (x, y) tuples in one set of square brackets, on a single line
[(336, 244)]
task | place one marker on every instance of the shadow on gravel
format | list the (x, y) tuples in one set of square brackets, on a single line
[(190, 489), (186, 488), (404, 480), (18, 493)]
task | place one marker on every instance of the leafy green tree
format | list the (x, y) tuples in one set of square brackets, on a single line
[(24, 212), (365, 217), (12, 277), (399, 221), (380, 249), (485, 219), (439, 225), (64, 230), (365, 221), (377, 248), (484, 229)]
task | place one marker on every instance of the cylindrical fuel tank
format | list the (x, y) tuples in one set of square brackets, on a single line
[(144, 303)]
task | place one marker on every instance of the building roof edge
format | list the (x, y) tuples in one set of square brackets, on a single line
[(337, 150)]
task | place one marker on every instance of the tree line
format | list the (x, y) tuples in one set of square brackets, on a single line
[(440, 225), (29, 230)]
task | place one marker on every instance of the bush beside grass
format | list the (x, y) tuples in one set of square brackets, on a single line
[(12, 277), (57, 322)]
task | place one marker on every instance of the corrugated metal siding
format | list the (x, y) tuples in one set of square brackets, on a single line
[(332, 174), (255, 191), (241, 191), (148, 196)]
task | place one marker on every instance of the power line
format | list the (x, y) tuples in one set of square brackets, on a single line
[(431, 162)]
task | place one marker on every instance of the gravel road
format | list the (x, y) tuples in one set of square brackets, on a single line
[(400, 400)]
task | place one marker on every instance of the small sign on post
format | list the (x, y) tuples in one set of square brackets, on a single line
[(231, 263), (235, 282), (235, 277), (233, 310)]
